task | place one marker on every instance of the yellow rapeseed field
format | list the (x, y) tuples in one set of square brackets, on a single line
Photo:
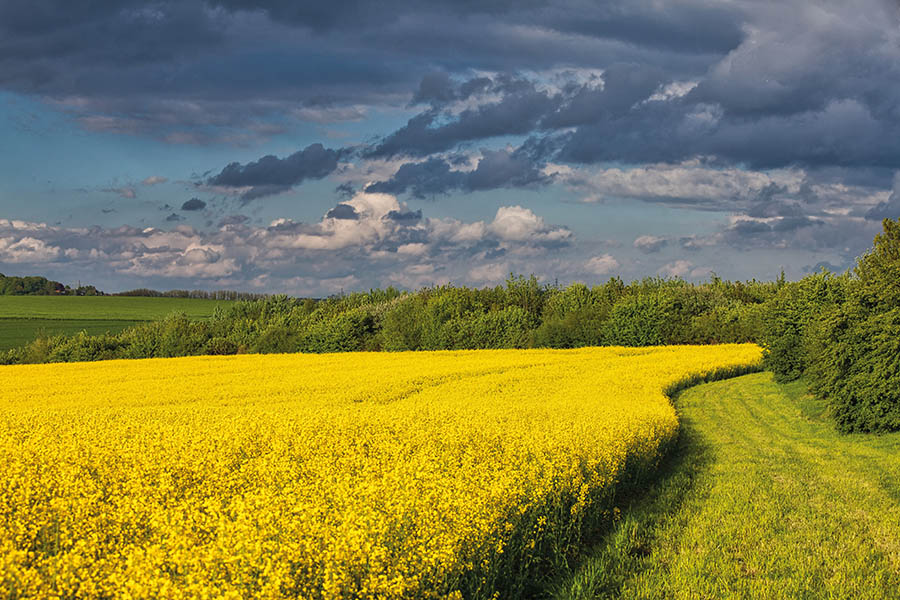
[(360, 475)]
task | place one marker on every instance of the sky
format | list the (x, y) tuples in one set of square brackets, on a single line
[(312, 147)]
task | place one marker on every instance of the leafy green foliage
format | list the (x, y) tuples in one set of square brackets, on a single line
[(637, 320), (403, 326), (788, 317), (857, 345), (29, 286), (509, 327)]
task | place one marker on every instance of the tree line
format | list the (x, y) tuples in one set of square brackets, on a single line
[(41, 286), (842, 333)]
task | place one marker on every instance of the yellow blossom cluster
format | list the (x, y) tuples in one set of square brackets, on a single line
[(358, 475)]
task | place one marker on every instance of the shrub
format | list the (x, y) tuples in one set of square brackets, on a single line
[(576, 329), (729, 323), (403, 326), (346, 332), (506, 328), (857, 346), (83, 347), (788, 316), (637, 320), (220, 346)]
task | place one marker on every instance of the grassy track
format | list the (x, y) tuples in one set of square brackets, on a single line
[(761, 499), (22, 318)]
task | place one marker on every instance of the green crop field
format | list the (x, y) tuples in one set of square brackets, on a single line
[(23, 318), (762, 499)]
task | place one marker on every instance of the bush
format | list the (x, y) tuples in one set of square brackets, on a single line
[(788, 317), (347, 332), (506, 328), (443, 305), (856, 346), (276, 339), (637, 320), (220, 346), (403, 325), (730, 323), (84, 347), (858, 370), (579, 328), (521, 313)]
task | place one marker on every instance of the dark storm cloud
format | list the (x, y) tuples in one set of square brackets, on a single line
[(201, 72), (272, 175), (435, 87), (824, 265), (624, 86), (422, 180), (342, 211), (674, 27), (499, 168), (771, 201), (412, 216), (517, 113), (641, 113), (885, 210), (360, 14), (843, 134), (745, 85), (194, 204), (671, 26), (496, 169)]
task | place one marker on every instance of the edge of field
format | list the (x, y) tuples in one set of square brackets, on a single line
[(634, 478), (760, 497)]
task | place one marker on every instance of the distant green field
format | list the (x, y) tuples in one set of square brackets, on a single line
[(23, 318), (18, 332)]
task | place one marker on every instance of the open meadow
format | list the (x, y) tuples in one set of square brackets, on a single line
[(358, 475), (23, 318)]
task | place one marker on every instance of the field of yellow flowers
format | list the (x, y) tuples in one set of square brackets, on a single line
[(359, 475)]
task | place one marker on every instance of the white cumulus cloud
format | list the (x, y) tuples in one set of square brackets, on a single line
[(601, 265)]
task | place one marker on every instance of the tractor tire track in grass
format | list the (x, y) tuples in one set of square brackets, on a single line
[(761, 498)]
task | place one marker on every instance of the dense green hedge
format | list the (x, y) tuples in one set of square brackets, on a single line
[(843, 334), (856, 344), (787, 318)]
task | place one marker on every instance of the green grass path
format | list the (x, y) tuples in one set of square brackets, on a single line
[(761, 499)]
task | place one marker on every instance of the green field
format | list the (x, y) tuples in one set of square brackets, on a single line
[(23, 318), (762, 499)]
